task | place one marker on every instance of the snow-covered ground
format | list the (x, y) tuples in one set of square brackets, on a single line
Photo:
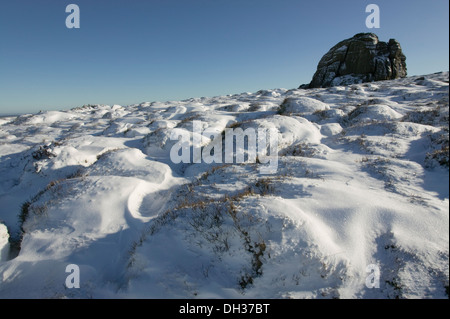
[(360, 198)]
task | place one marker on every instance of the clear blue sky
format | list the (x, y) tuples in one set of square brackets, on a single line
[(130, 51)]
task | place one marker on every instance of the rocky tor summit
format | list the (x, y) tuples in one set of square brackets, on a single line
[(362, 58)]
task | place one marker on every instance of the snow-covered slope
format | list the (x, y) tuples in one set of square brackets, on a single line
[(4, 243), (361, 189)]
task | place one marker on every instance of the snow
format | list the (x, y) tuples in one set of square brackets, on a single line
[(362, 180), (50, 118), (305, 105), (4, 243)]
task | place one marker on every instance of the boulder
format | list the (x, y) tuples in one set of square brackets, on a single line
[(362, 58)]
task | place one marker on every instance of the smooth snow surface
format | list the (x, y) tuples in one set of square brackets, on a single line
[(362, 182)]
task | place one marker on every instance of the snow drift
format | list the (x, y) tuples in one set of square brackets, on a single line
[(362, 182)]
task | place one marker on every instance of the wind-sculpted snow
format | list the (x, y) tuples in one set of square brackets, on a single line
[(361, 183)]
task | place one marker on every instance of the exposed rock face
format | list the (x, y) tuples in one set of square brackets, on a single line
[(362, 58)]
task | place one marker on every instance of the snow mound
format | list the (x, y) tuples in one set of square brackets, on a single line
[(331, 129), (129, 163), (370, 113), (50, 117), (303, 105)]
